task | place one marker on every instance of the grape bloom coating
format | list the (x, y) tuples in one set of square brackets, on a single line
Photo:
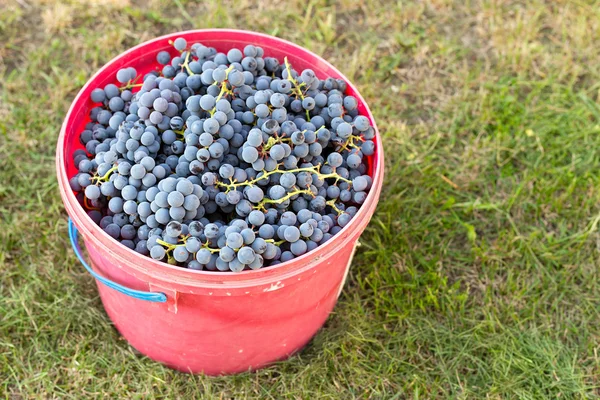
[(223, 161)]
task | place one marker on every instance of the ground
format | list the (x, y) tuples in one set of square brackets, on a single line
[(477, 276)]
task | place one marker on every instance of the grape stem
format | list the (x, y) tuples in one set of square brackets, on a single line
[(131, 84), (273, 140), (186, 64), (261, 205), (314, 169), (205, 246), (331, 203), (97, 179), (170, 247), (350, 142), (180, 132), (87, 205), (224, 90), (296, 86)]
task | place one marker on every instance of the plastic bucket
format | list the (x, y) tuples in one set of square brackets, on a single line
[(204, 321)]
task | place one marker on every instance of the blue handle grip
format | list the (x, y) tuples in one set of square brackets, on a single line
[(137, 294)]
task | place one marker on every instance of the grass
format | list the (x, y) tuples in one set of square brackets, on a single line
[(478, 275)]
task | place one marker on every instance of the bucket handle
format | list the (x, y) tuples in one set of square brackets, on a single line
[(136, 294)]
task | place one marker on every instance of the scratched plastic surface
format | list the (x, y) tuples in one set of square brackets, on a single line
[(215, 322)]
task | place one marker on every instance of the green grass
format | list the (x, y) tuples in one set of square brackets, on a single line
[(478, 275)]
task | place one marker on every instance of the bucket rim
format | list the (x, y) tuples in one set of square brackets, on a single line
[(161, 270)]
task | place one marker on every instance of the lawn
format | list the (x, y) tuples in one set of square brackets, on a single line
[(478, 275)]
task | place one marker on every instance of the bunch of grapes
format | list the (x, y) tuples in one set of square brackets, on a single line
[(223, 161)]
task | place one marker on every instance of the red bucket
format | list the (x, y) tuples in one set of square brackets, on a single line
[(205, 321)]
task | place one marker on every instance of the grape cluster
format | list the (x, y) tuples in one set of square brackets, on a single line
[(223, 161)]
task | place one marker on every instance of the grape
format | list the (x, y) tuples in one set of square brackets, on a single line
[(277, 152), (250, 154), (259, 245), (175, 199), (298, 248), (308, 103), (97, 95), (226, 171), (361, 123), (306, 229), (113, 230), (235, 240), (157, 252), (162, 216), (234, 197), (192, 244), (236, 266), (234, 55), (256, 218), (195, 265), (92, 192), (288, 218), (115, 205), (177, 213), (286, 256), (359, 183), (185, 187), (368, 148), (291, 234), (222, 265), (180, 254), (255, 194), (173, 229), (270, 252), (180, 44), (317, 235), (277, 192), (335, 159), (353, 161), (130, 207), (344, 219), (163, 57), (138, 171), (203, 256), (128, 232), (211, 231), (129, 192), (227, 254), (248, 235), (257, 263), (236, 78), (246, 255), (344, 130)]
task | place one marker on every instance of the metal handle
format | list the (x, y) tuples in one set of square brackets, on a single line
[(137, 294)]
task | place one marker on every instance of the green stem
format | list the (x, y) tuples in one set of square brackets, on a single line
[(261, 205), (131, 84), (186, 64), (273, 140), (296, 86), (205, 246), (105, 177), (274, 242), (350, 142), (223, 91), (180, 132), (314, 169), (331, 203), (170, 247)]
